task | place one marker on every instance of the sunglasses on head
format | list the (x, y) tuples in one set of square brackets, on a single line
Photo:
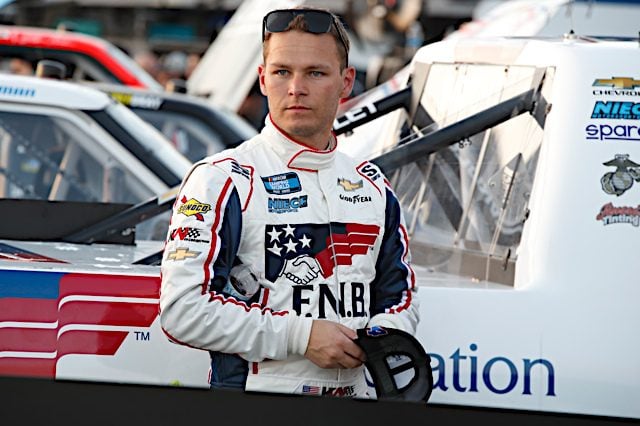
[(318, 22)]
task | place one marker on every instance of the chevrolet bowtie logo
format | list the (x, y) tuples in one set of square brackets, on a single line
[(182, 254), (618, 82), (348, 185)]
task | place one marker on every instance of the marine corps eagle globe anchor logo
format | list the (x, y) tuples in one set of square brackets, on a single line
[(621, 180)]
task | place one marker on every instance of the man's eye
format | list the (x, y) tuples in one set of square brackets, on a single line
[(317, 73), (281, 72)]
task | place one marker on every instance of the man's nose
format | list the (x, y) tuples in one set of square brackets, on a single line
[(297, 85)]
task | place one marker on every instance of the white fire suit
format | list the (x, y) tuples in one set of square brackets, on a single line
[(269, 236)]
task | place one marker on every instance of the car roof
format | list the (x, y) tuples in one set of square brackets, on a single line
[(165, 161), (228, 123), (21, 39), (38, 36), (45, 91), (148, 99)]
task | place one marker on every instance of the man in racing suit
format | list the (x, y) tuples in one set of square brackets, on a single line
[(279, 249)]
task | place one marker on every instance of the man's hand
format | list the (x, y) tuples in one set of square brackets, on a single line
[(331, 345)]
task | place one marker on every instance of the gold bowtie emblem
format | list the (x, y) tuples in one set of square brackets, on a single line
[(182, 254), (348, 185), (618, 82)]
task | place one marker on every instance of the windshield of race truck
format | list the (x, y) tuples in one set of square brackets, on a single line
[(466, 204), (55, 154)]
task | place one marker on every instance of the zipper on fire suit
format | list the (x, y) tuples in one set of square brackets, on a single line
[(336, 280)]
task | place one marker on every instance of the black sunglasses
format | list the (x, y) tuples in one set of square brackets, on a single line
[(318, 22)]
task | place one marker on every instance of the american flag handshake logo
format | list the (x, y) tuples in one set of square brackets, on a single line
[(301, 252)]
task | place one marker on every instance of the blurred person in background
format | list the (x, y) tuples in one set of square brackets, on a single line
[(254, 108), (148, 60), (193, 59), (20, 66), (173, 66), (392, 29), (385, 22)]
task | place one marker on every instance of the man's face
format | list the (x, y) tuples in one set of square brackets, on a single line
[(303, 83)]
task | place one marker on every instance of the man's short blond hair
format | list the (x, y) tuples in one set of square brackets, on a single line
[(338, 31)]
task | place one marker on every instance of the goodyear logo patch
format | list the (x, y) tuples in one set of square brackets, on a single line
[(286, 183), (193, 207), (355, 199)]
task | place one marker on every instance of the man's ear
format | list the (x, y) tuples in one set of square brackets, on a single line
[(261, 73), (348, 80)]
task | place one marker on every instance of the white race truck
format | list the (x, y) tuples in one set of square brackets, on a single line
[(517, 163)]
